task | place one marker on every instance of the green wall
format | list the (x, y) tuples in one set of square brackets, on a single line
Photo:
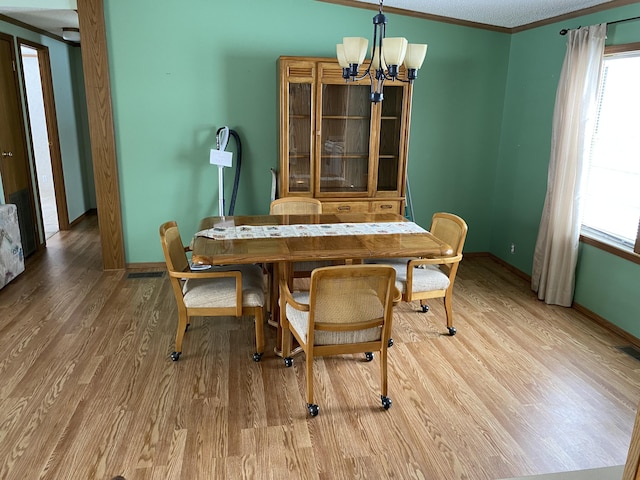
[(480, 133), (180, 73), (605, 284)]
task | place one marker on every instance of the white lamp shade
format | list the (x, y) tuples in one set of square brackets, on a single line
[(342, 59), (71, 34), (394, 50), (355, 49), (415, 55), (375, 60)]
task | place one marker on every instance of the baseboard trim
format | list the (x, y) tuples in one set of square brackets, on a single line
[(511, 268), (594, 317), (603, 322), (149, 266), (88, 213), (159, 266)]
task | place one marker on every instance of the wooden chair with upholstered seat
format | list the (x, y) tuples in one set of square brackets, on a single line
[(295, 206), (425, 278), (348, 309), (299, 206), (232, 290)]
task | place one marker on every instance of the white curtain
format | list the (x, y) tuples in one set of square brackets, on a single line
[(556, 252)]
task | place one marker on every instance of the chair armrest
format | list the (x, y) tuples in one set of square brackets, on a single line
[(397, 296), (235, 274), (287, 298), (411, 264), (216, 274), (433, 261)]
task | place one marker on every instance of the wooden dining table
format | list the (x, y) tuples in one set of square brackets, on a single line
[(282, 250)]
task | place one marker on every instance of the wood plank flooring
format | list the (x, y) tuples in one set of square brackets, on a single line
[(88, 391)]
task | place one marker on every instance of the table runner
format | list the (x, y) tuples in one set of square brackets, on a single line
[(233, 232)]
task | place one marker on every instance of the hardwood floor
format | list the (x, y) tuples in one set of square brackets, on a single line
[(88, 391)]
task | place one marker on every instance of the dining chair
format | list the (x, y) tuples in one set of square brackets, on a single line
[(232, 290), (299, 206), (295, 206), (348, 309), (433, 277)]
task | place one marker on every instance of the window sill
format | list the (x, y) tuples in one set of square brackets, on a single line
[(612, 249)]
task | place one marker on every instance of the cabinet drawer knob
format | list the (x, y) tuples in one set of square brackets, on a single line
[(344, 208), (386, 206)]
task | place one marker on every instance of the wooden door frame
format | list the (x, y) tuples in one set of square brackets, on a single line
[(44, 65), (33, 194), (101, 131)]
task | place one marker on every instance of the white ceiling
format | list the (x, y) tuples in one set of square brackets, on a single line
[(497, 13), (52, 21)]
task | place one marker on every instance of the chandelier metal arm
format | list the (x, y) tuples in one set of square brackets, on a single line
[(377, 69)]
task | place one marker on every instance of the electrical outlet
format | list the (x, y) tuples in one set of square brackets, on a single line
[(513, 248)]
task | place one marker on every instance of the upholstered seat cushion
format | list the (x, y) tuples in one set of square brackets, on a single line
[(367, 307), (221, 292), (426, 278)]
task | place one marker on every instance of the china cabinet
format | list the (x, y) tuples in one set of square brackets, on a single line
[(338, 146)]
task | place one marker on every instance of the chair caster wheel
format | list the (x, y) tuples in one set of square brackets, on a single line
[(257, 357), (288, 362), (386, 402), (452, 331), (390, 343), (175, 356), (368, 356), (313, 409), (425, 308)]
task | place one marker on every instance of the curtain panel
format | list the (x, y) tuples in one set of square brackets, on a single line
[(556, 251)]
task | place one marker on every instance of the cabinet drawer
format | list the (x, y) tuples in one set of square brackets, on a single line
[(385, 206), (345, 207)]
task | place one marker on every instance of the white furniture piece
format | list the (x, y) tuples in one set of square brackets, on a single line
[(604, 473), (11, 255)]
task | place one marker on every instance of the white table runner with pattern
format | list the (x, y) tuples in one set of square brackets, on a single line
[(233, 232)]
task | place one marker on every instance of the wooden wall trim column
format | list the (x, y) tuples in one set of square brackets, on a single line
[(103, 146)]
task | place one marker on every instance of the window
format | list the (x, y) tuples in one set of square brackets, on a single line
[(611, 202)]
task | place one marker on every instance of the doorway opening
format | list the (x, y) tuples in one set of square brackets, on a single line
[(45, 142), (40, 140)]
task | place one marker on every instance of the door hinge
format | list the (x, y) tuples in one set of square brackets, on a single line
[(13, 63)]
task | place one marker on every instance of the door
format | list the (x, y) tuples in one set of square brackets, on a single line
[(14, 162)]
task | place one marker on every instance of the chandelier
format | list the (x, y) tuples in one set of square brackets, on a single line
[(387, 54)]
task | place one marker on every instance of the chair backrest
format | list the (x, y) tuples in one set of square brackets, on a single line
[(349, 298), (295, 206), (174, 253), (451, 229)]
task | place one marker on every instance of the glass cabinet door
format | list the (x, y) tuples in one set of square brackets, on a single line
[(300, 138), (345, 126), (390, 136)]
